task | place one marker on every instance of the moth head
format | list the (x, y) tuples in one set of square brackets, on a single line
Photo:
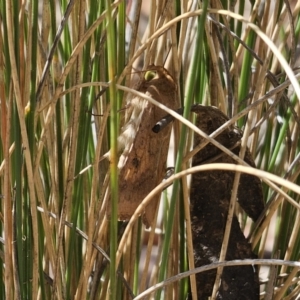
[(155, 72), (149, 75)]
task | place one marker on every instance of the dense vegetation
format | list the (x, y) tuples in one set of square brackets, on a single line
[(58, 119)]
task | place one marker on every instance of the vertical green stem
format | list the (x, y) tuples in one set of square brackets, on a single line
[(111, 35), (187, 105), (246, 70)]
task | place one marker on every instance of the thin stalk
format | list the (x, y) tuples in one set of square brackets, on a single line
[(27, 156), (244, 85), (31, 61), (111, 57), (4, 154), (238, 29), (17, 176), (7, 211), (74, 158), (187, 104), (136, 279), (280, 139)]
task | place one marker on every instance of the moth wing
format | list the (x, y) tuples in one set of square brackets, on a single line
[(144, 167), (142, 163)]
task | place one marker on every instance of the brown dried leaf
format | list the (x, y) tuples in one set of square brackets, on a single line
[(210, 197)]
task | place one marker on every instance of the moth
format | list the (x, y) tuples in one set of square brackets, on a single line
[(142, 164)]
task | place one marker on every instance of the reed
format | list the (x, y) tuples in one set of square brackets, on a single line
[(58, 119)]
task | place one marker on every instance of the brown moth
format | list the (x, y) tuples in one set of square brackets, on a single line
[(142, 163)]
